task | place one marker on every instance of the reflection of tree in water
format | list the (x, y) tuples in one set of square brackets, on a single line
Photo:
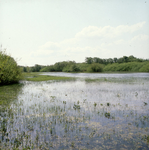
[(8, 94)]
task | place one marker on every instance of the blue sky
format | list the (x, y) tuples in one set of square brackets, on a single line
[(48, 31)]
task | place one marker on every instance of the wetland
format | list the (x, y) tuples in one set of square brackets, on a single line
[(77, 111)]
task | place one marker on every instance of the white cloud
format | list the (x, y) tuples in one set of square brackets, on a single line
[(113, 42), (50, 46), (140, 37), (71, 41), (108, 31)]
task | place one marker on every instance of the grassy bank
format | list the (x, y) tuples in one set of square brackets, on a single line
[(97, 67), (38, 77)]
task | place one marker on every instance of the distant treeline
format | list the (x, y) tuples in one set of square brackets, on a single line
[(95, 64), (124, 59)]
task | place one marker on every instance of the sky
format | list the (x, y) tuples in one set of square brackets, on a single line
[(48, 31)]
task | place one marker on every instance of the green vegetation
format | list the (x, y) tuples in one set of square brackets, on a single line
[(123, 64), (124, 59), (113, 80), (130, 66), (9, 70), (35, 68), (65, 66), (95, 67), (107, 115), (36, 77)]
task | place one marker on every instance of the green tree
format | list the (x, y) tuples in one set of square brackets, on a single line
[(120, 60), (110, 60), (35, 68), (115, 60), (89, 60), (24, 69)]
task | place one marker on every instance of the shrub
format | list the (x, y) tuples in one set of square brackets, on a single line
[(95, 67), (71, 68), (9, 70), (145, 67), (48, 69), (130, 66)]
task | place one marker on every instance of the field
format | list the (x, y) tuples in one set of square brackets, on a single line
[(75, 113)]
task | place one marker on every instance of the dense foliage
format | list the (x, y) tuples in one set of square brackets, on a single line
[(35, 68), (124, 59), (9, 70), (65, 66), (95, 64), (130, 66), (95, 67)]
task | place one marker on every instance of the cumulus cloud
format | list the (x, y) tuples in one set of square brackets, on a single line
[(141, 37), (95, 41), (47, 49), (50, 46), (108, 31)]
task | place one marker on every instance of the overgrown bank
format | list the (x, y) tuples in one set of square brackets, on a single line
[(35, 76), (127, 64), (130, 66)]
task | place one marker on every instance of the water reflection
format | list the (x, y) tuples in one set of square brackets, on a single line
[(9, 94), (78, 115), (99, 75)]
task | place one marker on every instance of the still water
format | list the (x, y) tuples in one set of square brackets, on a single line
[(99, 75), (83, 114)]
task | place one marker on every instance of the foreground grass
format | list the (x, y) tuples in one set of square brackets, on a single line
[(38, 77)]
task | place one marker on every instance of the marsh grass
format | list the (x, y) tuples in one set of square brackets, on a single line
[(38, 77), (111, 79)]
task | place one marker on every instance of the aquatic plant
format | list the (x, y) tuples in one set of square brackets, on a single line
[(76, 106), (37, 77), (108, 104), (107, 115), (64, 102), (95, 104)]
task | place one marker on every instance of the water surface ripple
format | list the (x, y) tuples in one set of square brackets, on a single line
[(81, 114)]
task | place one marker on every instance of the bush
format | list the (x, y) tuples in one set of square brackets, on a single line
[(9, 70), (145, 67), (71, 68), (48, 69), (95, 67), (83, 67), (130, 66)]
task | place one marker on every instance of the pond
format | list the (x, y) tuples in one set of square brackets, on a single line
[(99, 75), (112, 113)]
